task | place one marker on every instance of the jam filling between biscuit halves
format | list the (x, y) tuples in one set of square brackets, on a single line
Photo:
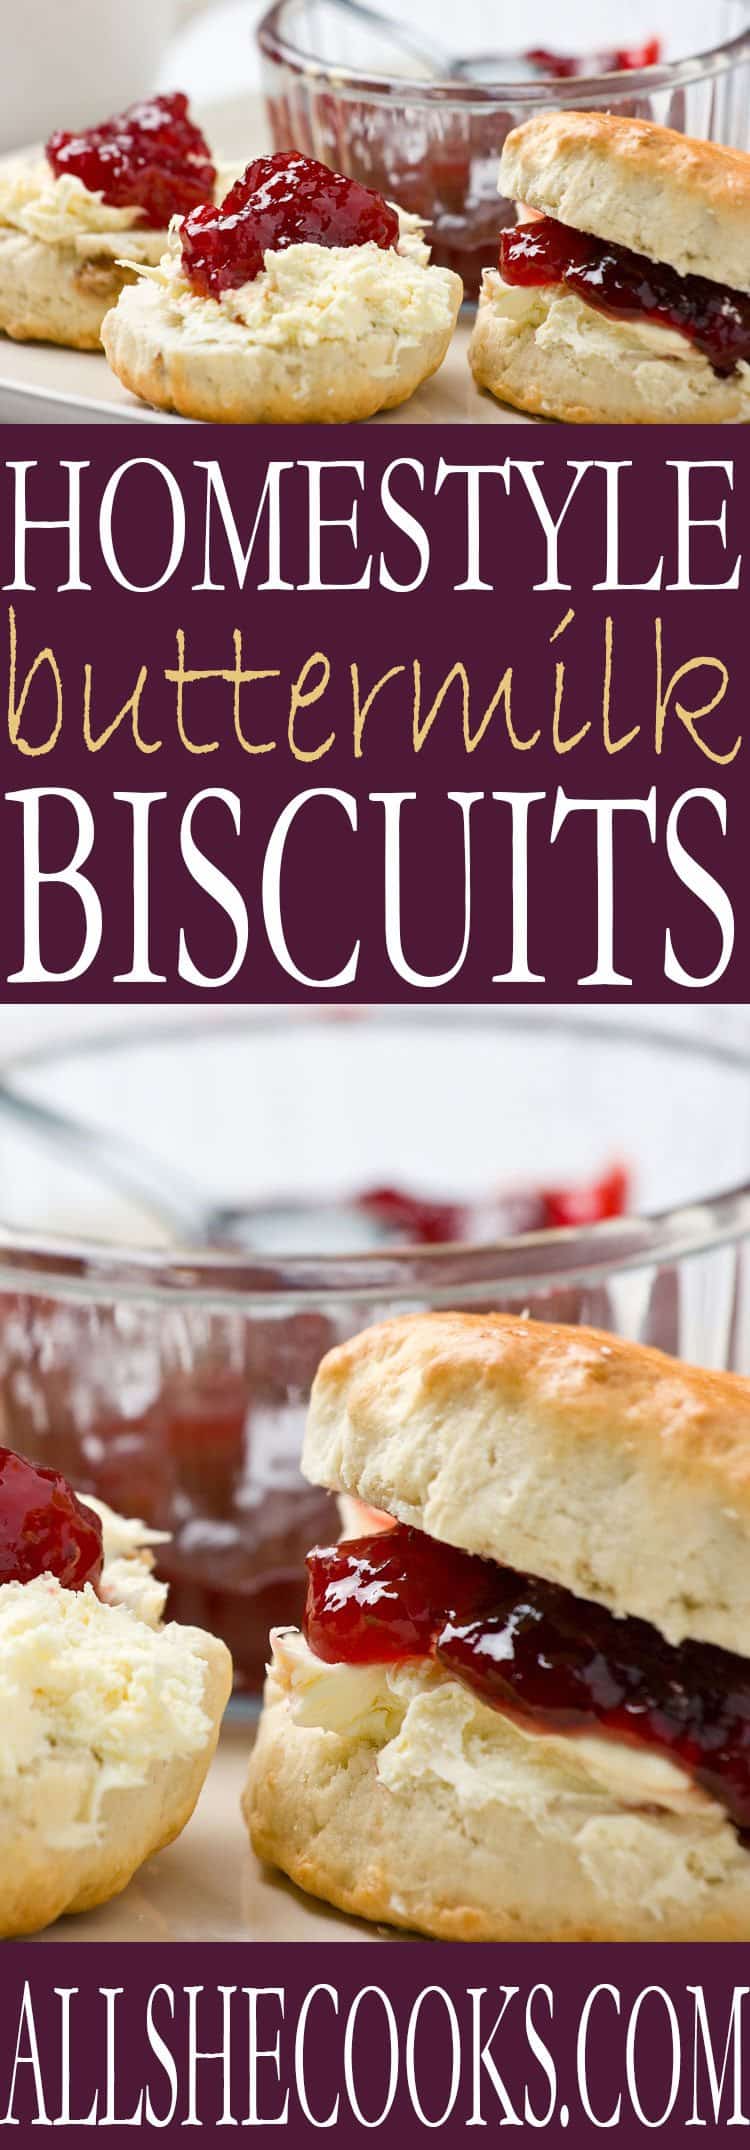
[(554, 1662), (617, 282)]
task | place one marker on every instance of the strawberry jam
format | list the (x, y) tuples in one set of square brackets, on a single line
[(615, 281), (555, 1662), (280, 201), (617, 60), (44, 1528), (151, 157), (426, 1221)]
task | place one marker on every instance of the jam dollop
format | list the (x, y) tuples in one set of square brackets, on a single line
[(280, 201), (152, 157), (44, 1528), (617, 281), (556, 1662)]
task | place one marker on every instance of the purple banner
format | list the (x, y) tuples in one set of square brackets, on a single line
[(374, 715), (394, 2040)]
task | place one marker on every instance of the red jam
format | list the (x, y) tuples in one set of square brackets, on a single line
[(44, 1528), (151, 157), (593, 1204), (615, 281), (422, 1221), (623, 60), (533, 1650), (281, 201)]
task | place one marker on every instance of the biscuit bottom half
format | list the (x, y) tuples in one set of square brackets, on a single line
[(394, 1793), (543, 350), (57, 294), (322, 336)]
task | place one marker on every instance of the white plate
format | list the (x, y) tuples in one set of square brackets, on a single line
[(42, 385)]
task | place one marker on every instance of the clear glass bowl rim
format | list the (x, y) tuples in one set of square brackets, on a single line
[(346, 82), (230, 1281)]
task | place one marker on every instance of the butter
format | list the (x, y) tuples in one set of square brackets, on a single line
[(422, 1720), (63, 212), (560, 315), (307, 295), (355, 1701), (82, 1679), (57, 211), (127, 1577)]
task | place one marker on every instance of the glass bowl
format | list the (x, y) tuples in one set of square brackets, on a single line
[(172, 1379), (343, 87)]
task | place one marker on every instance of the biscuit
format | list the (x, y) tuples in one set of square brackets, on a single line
[(655, 193), (323, 340), (61, 269), (605, 1466), (641, 186), (443, 1816), (42, 1877), (58, 294), (554, 357), (110, 1720)]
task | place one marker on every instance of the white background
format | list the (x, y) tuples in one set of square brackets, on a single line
[(68, 62)]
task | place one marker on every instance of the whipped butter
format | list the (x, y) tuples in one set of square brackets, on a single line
[(127, 1577), (422, 1721), (306, 295), (80, 1680), (92, 1681), (55, 210), (562, 320), (61, 211)]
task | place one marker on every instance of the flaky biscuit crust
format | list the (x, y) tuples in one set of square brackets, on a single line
[(548, 380), (645, 187), (333, 384), (603, 1465), (40, 1879), (494, 1869), (53, 294)]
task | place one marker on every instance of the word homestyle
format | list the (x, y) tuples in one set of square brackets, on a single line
[(309, 524)]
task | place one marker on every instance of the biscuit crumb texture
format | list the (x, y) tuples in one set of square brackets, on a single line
[(109, 1723), (394, 1793)]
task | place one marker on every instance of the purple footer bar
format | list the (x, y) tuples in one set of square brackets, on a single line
[(402, 2040)]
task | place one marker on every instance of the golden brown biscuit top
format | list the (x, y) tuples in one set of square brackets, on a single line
[(583, 1382)]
